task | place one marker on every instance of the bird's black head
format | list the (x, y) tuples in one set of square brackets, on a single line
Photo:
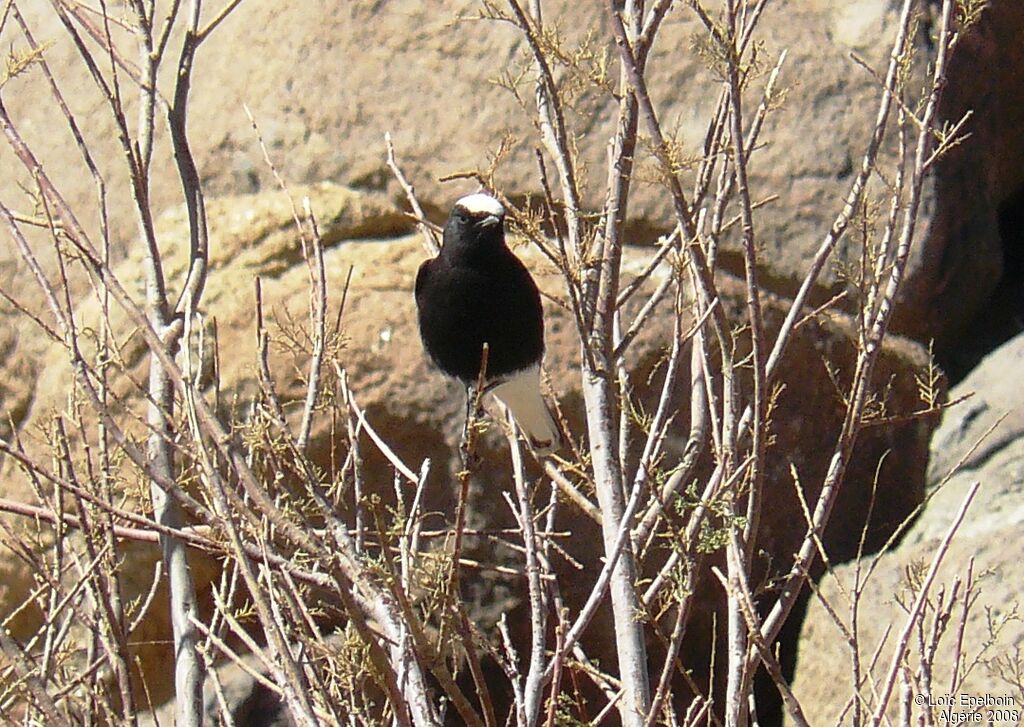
[(475, 225)]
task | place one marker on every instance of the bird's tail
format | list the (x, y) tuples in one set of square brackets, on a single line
[(521, 394)]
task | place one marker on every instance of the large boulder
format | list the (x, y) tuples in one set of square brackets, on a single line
[(985, 641), (964, 284), (326, 80), (251, 236)]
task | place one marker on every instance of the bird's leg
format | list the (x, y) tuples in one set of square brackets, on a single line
[(470, 398), (474, 399)]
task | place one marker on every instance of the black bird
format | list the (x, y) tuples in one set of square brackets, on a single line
[(477, 291)]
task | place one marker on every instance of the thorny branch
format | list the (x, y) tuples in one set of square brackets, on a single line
[(295, 535)]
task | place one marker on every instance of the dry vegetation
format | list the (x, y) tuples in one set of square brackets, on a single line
[(296, 541)]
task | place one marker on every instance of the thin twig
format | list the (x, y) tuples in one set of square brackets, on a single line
[(430, 242)]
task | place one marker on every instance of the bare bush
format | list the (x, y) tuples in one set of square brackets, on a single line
[(295, 541)]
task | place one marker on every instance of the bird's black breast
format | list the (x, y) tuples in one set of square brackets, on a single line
[(464, 303)]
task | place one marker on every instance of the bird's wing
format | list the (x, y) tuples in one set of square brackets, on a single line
[(525, 295), (421, 276)]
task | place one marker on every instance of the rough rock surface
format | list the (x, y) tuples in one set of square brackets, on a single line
[(325, 80), (252, 236), (989, 538), (419, 411), (249, 702), (964, 284)]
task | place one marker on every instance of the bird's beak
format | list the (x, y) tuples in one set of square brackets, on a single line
[(489, 221)]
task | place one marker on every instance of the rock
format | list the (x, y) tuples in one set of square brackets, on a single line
[(248, 701), (325, 81), (16, 384), (964, 282), (987, 542), (857, 24), (993, 400), (410, 70), (250, 236), (419, 412)]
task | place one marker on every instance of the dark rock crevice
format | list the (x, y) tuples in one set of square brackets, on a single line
[(967, 289), (1001, 317)]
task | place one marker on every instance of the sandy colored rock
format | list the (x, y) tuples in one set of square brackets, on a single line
[(988, 541), (419, 412), (993, 402), (326, 80)]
